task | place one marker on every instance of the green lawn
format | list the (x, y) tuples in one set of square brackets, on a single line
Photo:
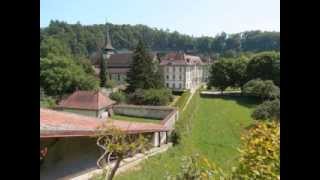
[(134, 119), (210, 127)]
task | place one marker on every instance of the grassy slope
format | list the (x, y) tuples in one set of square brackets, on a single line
[(214, 132), (134, 119)]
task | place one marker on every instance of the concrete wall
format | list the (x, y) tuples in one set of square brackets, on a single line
[(170, 120), (82, 112), (142, 111), (68, 156), (92, 113)]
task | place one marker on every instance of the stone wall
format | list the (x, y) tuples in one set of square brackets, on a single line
[(153, 112)]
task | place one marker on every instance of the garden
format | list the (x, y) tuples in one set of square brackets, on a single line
[(214, 135)]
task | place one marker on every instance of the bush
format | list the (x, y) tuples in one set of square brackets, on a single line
[(47, 102), (118, 96), (260, 154), (196, 167), (267, 110), (110, 84), (137, 97), (151, 97), (182, 100), (262, 89), (175, 137)]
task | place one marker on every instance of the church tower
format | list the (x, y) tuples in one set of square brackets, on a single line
[(107, 49)]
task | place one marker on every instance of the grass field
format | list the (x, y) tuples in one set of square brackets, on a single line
[(210, 127), (134, 119)]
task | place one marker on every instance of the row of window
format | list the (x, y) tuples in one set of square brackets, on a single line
[(174, 68), (174, 85), (174, 77)]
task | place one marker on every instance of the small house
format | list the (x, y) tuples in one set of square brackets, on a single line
[(88, 103)]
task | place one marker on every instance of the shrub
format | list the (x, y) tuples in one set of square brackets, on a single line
[(118, 96), (110, 84), (182, 100), (175, 137), (196, 167), (267, 110), (47, 102), (262, 89), (151, 97), (137, 97), (260, 154)]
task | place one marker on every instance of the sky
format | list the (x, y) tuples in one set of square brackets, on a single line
[(192, 17)]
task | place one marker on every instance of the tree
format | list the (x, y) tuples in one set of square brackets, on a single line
[(260, 153), (262, 89), (265, 66), (238, 74), (143, 74), (82, 40), (267, 110), (103, 72), (60, 75), (220, 75), (54, 46), (116, 143)]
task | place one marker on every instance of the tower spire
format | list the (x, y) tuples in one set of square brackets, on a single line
[(108, 45)]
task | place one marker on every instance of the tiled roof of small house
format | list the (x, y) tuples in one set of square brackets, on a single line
[(63, 124), (91, 100), (178, 58)]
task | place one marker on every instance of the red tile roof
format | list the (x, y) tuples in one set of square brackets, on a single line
[(91, 100), (180, 59), (62, 124)]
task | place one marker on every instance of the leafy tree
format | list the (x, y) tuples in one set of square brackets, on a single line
[(262, 89), (238, 73), (103, 73), (265, 66), (60, 75), (54, 46), (118, 144), (267, 110), (233, 42), (220, 75), (260, 153), (84, 40), (86, 65), (143, 73)]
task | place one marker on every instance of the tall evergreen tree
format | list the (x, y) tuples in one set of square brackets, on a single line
[(144, 73), (103, 72)]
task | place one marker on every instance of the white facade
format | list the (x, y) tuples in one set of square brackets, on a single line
[(182, 77)]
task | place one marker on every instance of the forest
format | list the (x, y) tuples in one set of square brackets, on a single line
[(83, 40)]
